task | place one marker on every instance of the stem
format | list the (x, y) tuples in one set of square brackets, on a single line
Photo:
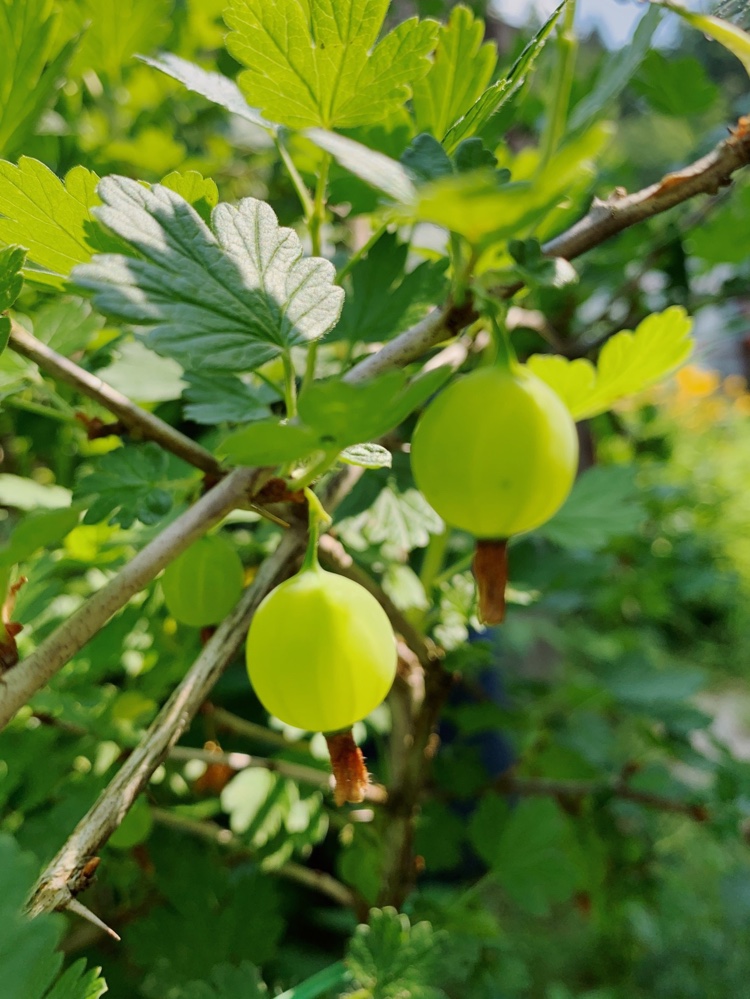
[(34, 407), (290, 385), (299, 185), (433, 559), (317, 218), (505, 357), (314, 472), (317, 517), (361, 252), (567, 45), (312, 357)]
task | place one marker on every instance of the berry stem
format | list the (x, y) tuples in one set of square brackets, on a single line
[(317, 516), (490, 567)]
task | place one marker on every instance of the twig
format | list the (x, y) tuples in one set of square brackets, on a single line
[(63, 878), (317, 880), (243, 761), (145, 424), (21, 682), (230, 722), (572, 790), (705, 176)]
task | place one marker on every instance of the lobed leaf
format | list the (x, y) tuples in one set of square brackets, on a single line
[(628, 363), (12, 259), (316, 62), (734, 39), (228, 297)]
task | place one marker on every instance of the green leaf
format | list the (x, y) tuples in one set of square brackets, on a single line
[(374, 168), (228, 298), (114, 30), (616, 72), (391, 958), (640, 686), (605, 504), (461, 69), (317, 63), (12, 259), (425, 159), (526, 850), (213, 86), (267, 444), (675, 86), (31, 69), (227, 982), (26, 494), (28, 955), (628, 363), (382, 299), (137, 482), (213, 399), (367, 456), (67, 325), (40, 529), (51, 218), (734, 39), (496, 96), (199, 191), (141, 374), (401, 521), (319, 984)]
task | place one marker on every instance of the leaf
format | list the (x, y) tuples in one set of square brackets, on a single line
[(425, 159), (267, 444), (461, 69), (403, 521), (11, 262), (141, 374), (227, 982), (216, 399), (605, 504), (526, 850), (66, 325), (40, 529), (382, 299), (734, 39), (374, 168), (26, 494), (228, 298), (137, 482), (628, 363), (496, 96), (28, 955), (316, 63), (615, 73), (213, 86), (333, 977), (367, 456), (114, 31), (32, 67), (51, 218), (390, 958), (675, 86), (199, 191), (640, 686)]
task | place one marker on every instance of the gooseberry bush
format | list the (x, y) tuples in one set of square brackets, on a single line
[(330, 332)]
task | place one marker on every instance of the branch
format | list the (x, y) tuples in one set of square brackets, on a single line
[(571, 790), (214, 833), (224, 719), (244, 761), (606, 218), (22, 681), (66, 875), (145, 424)]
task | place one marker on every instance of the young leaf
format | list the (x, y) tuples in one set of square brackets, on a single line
[(402, 521), (426, 159), (734, 39), (227, 982), (228, 298), (31, 69), (382, 298), (480, 112), (50, 217), (366, 456), (318, 63), (199, 191), (390, 957), (28, 954), (628, 363), (12, 259), (213, 86), (525, 849), (132, 483), (459, 74)]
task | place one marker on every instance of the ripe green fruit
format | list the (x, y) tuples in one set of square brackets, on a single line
[(496, 453), (320, 651), (203, 584)]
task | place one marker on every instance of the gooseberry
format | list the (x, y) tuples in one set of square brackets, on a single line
[(203, 584), (495, 454)]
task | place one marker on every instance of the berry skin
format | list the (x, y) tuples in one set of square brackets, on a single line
[(320, 651), (496, 453), (203, 584)]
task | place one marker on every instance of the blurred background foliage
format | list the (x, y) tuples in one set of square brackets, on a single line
[(614, 863)]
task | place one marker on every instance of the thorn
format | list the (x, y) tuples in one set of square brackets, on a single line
[(80, 910)]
